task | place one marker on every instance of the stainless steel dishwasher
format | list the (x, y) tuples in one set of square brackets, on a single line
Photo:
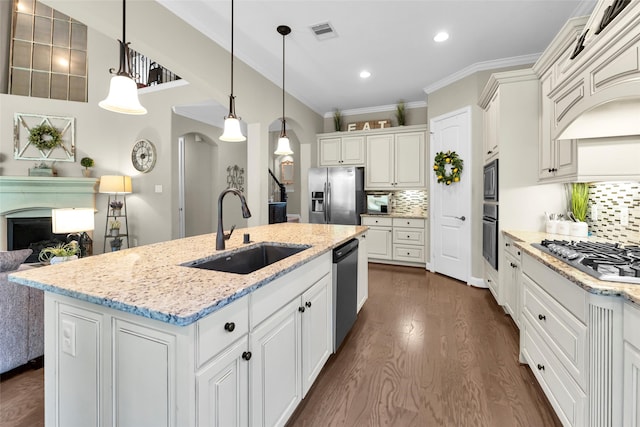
[(345, 290)]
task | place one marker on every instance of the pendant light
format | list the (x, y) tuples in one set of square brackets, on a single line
[(284, 147), (232, 131), (123, 91)]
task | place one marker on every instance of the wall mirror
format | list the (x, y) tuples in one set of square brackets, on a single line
[(286, 172)]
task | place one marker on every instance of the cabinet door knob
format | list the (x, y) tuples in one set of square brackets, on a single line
[(540, 367), (229, 326), (301, 309), (489, 152), (507, 244), (246, 355), (308, 304), (518, 252), (542, 317), (513, 265), (408, 237)]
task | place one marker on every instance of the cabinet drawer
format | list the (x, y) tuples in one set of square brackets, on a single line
[(377, 220), (408, 253), (408, 236), (565, 335), (408, 222), (566, 397), (221, 328), (510, 247)]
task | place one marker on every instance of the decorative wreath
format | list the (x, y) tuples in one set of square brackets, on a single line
[(440, 163), (45, 137)]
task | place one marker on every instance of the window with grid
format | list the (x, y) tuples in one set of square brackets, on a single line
[(48, 53)]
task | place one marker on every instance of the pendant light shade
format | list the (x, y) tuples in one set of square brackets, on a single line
[(284, 146), (232, 131), (123, 90)]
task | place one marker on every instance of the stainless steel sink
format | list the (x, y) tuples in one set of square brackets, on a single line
[(248, 260)]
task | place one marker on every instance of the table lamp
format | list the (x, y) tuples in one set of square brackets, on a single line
[(74, 221), (115, 184)]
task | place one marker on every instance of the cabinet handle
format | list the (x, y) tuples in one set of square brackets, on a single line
[(408, 237), (513, 265), (489, 280), (246, 355), (542, 317), (308, 304), (518, 252), (489, 152), (301, 309), (507, 244), (229, 326), (540, 367)]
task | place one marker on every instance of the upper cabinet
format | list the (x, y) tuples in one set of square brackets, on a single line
[(396, 161), (341, 151), (587, 101), (491, 125)]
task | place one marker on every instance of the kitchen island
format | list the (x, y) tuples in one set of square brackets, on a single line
[(136, 338)]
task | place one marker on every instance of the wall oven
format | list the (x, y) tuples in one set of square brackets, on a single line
[(490, 187), (490, 233)]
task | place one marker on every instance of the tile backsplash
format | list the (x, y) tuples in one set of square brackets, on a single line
[(610, 199), (412, 202)]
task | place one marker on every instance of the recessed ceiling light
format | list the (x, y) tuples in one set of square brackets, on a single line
[(441, 36), (364, 74)]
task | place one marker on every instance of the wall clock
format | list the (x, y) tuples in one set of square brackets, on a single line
[(143, 155)]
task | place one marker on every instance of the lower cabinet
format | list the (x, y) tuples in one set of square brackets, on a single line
[(631, 370), (512, 272), (363, 270), (396, 240), (222, 388)]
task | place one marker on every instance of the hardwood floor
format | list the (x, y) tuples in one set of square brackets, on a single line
[(425, 351)]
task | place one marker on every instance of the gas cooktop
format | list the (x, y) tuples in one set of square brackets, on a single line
[(604, 261)]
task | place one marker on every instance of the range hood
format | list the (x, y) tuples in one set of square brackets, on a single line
[(620, 117)]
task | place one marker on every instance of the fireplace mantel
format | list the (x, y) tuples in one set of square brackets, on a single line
[(32, 193)]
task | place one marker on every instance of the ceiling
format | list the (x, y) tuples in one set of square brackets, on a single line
[(393, 39)]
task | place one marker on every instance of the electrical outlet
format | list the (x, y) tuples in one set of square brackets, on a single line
[(69, 337), (594, 212), (624, 216)]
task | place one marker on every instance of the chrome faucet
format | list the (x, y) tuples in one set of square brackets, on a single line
[(220, 235)]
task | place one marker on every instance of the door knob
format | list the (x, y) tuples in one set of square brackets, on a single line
[(461, 218)]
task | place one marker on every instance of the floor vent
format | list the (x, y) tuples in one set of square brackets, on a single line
[(324, 31)]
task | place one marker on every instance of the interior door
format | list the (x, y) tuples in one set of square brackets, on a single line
[(450, 204)]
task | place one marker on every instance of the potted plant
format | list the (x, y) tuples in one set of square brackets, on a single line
[(87, 162), (116, 207), (42, 169), (116, 244), (337, 120), (579, 206), (114, 228), (60, 253), (401, 113)]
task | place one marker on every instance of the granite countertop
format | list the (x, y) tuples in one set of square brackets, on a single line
[(417, 215), (149, 280), (523, 240)]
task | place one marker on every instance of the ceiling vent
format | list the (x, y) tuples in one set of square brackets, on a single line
[(324, 31)]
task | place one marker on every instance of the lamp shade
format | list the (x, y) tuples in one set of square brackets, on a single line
[(72, 220), (115, 184), (123, 97), (232, 131), (284, 147)]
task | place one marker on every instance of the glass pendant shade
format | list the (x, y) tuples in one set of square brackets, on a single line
[(232, 131), (123, 97), (284, 148)]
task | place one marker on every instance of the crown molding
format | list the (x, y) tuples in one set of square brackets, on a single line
[(378, 109), (482, 66)]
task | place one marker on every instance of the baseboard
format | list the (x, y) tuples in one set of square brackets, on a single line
[(477, 282)]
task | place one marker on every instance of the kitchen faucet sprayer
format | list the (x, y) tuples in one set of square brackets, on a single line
[(246, 213)]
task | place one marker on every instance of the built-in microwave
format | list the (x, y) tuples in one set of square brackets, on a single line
[(491, 181)]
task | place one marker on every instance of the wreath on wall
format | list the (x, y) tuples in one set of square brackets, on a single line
[(448, 174), (45, 137)]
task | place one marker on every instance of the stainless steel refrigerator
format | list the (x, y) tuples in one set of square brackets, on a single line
[(336, 195)]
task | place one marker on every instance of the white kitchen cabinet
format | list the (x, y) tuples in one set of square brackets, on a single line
[(317, 333), (511, 280), (395, 161), (491, 279), (341, 151), (491, 126), (557, 158), (222, 388), (379, 237), (363, 270), (631, 372)]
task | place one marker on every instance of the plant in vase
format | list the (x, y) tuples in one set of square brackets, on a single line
[(87, 162), (579, 205), (116, 207), (59, 253), (114, 228), (401, 113)]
